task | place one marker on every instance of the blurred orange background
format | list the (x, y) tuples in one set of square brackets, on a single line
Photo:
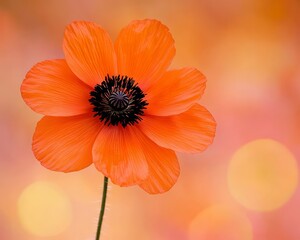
[(244, 187)]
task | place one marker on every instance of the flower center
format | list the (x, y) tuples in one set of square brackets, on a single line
[(118, 100)]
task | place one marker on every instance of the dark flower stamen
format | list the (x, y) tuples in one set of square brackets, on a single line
[(118, 99)]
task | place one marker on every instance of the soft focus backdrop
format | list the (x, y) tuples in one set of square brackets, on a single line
[(244, 187)]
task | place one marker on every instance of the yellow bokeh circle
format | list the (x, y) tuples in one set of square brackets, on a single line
[(220, 222), (44, 210), (262, 175)]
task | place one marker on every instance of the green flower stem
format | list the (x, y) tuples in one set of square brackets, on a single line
[(104, 193)]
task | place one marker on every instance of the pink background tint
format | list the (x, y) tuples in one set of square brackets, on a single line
[(250, 52)]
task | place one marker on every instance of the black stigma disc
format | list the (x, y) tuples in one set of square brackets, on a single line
[(118, 100)]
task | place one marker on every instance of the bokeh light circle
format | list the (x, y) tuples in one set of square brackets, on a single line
[(44, 210), (262, 175), (220, 222)]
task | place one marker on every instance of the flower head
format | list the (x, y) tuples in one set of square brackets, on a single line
[(118, 106)]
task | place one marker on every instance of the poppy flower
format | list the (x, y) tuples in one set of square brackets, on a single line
[(118, 106)]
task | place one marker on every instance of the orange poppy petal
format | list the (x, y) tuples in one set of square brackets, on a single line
[(190, 131), (89, 52), (118, 154), (163, 166), (50, 88), (65, 143), (145, 49), (175, 92)]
